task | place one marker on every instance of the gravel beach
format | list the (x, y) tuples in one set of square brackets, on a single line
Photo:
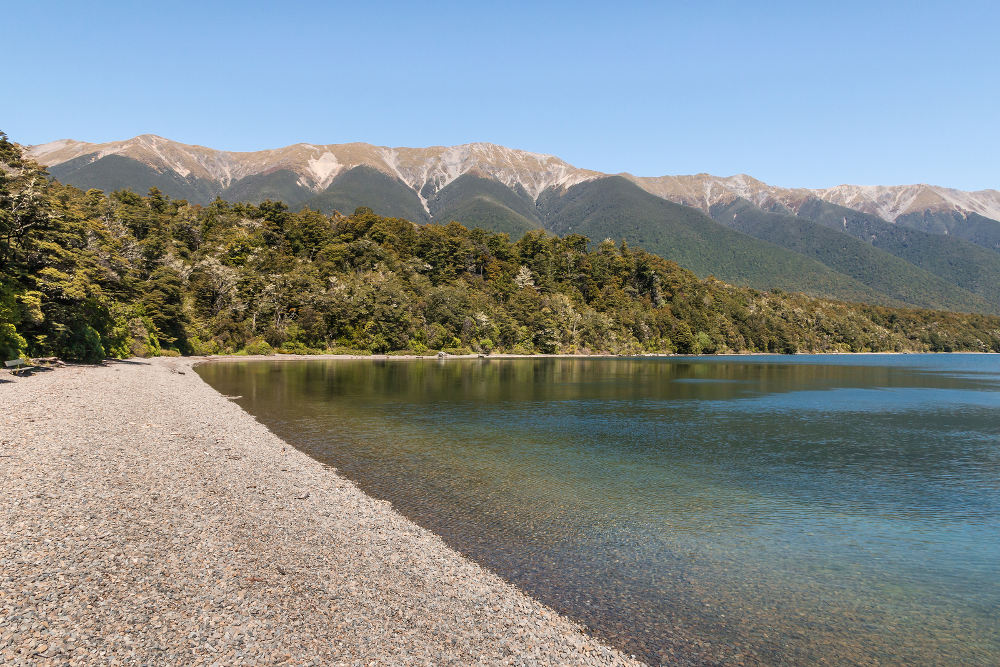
[(146, 519)]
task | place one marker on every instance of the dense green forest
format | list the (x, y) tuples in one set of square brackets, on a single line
[(86, 275), (765, 245), (870, 264)]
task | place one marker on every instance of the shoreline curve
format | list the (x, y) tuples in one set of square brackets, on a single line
[(150, 519)]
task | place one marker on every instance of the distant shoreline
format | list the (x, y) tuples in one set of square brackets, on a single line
[(427, 357)]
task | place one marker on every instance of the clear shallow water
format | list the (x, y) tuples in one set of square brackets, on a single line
[(784, 510)]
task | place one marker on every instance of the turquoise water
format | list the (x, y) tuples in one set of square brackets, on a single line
[(779, 510)]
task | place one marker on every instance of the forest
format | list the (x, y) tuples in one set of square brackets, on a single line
[(90, 275)]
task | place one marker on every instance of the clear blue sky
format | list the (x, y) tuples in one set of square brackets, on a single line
[(796, 93)]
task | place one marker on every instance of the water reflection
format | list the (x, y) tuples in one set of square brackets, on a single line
[(834, 509)]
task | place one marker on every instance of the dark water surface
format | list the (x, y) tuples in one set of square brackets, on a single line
[(785, 510)]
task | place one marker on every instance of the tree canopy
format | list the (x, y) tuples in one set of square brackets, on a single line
[(87, 275)]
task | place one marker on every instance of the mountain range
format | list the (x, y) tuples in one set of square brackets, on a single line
[(914, 245)]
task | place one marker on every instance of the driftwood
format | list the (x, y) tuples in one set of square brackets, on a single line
[(49, 362)]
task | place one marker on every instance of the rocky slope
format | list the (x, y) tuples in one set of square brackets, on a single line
[(888, 202), (425, 170), (428, 170)]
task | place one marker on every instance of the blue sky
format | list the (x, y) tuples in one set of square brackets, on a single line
[(798, 94)]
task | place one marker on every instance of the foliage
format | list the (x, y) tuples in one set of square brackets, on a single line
[(483, 202), (969, 226), (948, 254), (88, 275), (12, 344), (258, 347), (617, 208), (366, 186), (898, 279)]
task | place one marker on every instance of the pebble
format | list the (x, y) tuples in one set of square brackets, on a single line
[(148, 520)]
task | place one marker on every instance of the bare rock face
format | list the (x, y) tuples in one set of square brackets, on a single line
[(426, 171), (888, 202)]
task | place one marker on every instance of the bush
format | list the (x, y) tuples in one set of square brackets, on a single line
[(145, 338), (346, 350), (85, 345), (298, 348), (259, 346), (703, 343), (204, 348), (12, 344), (132, 334)]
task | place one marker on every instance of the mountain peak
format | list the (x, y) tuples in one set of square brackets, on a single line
[(428, 170)]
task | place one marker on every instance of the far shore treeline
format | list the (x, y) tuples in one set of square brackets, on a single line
[(89, 275)]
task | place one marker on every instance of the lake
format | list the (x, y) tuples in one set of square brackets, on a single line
[(781, 510)]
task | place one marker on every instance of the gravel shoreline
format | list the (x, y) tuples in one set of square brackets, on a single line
[(146, 519)]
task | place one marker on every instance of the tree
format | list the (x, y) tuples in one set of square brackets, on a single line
[(85, 274), (162, 302), (23, 204)]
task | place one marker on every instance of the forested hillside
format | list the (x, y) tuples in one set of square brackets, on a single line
[(87, 275), (917, 246), (870, 265)]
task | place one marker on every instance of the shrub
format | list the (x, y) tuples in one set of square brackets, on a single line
[(258, 346), (703, 343), (202, 348), (12, 344), (85, 344), (297, 348)]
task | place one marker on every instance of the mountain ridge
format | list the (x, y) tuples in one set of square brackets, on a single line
[(425, 170), (428, 170), (935, 252)]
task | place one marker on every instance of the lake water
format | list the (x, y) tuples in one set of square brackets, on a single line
[(778, 510)]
